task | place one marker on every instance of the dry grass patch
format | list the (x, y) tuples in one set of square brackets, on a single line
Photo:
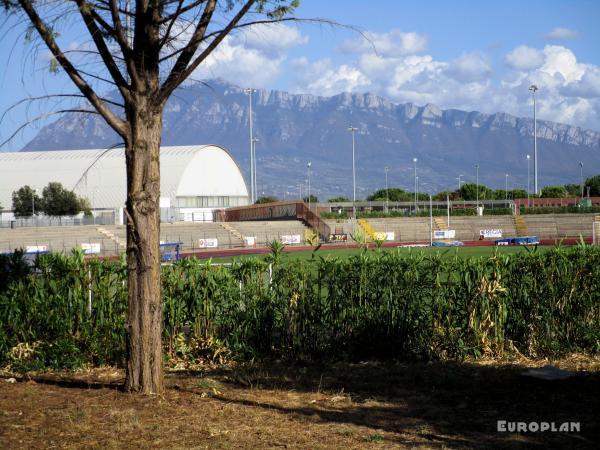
[(349, 406)]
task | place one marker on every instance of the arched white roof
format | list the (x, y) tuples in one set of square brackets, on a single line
[(99, 175)]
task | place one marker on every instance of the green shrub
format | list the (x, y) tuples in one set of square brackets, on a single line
[(372, 305), (560, 210)]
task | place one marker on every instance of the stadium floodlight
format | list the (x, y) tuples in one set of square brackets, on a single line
[(387, 197), (255, 187), (430, 221), (416, 186), (528, 158), (353, 130), (506, 187), (32, 203), (581, 176), (249, 92), (533, 88), (477, 189), (308, 170)]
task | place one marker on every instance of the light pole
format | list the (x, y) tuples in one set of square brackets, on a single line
[(353, 130), (308, 170), (306, 187), (94, 192), (254, 141), (387, 197), (249, 92), (32, 203), (416, 187), (459, 177), (534, 88), (506, 187), (528, 158), (416, 193), (581, 175), (430, 221), (477, 189)]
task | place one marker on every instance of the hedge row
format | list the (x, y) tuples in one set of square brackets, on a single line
[(375, 305)]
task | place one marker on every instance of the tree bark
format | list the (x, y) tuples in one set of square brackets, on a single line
[(144, 321)]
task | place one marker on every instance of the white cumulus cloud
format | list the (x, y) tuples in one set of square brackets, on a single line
[(322, 77), (560, 33), (524, 58), (253, 57), (470, 67), (391, 44), (272, 39)]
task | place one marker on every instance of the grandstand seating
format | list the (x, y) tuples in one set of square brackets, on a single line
[(265, 231), (56, 239), (406, 229)]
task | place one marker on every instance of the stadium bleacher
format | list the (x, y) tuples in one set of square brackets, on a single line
[(231, 235)]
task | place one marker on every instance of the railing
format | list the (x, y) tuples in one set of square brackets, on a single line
[(68, 221), (275, 211), (304, 213)]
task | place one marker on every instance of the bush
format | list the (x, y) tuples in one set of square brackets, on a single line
[(560, 210), (423, 212), (373, 305)]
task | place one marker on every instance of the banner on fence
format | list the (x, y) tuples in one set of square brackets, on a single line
[(249, 241), (36, 248), (91, 248), (379, 235), (338, 237), (490, 233), (208, 243), (291, 239), (444, 234)]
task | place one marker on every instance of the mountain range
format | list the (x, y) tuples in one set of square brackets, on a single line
[(296, 128)]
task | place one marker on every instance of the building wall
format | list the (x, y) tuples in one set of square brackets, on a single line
[(197, 177)]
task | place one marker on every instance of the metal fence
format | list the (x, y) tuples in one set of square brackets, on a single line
[(65, 221)]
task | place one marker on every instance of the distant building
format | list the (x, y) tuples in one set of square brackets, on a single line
[(195, 179)]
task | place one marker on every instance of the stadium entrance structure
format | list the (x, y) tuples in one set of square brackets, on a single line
[(195, 180), (277, 211)]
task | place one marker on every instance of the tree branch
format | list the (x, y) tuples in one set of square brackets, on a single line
[(48, 97), (182, 69), (44, 116), (117, 124), (177, 13), (120, 36), (86, 11), (180, 11)]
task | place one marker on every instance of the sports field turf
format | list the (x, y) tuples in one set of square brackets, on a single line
[(463, 252)]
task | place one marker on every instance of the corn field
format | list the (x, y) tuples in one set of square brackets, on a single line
[(376, 305)]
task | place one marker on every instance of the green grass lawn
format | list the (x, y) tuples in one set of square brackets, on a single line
[(463, 252)]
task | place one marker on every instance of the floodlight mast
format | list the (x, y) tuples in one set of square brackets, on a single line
[(254, 141), (477, 189), (416, 186), (387, 197), (353, 130), (528, 188), (308, 170), (533, 88), (581, 176), (249, 92)]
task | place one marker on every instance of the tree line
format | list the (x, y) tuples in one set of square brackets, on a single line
[(54, 201), (468, 192)]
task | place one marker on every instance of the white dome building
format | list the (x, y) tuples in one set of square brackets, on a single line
[(195, 180)]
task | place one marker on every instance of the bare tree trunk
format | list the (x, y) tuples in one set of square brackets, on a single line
[(144, 321)]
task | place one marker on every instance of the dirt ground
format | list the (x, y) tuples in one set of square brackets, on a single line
[(342, 406)]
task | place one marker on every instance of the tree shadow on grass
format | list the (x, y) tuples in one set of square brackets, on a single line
[(444, 404)]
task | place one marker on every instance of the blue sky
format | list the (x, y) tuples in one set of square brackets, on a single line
[(472, 55)]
